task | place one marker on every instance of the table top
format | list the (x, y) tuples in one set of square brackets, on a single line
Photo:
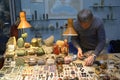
[(82, 72)]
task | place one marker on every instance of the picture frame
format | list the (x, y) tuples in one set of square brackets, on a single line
[(62, 9)]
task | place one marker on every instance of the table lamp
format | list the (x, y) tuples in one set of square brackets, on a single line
[(23, 22), (70, 30)]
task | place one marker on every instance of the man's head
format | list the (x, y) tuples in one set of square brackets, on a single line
[(85, 18)]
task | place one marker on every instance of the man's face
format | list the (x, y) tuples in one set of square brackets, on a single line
[(86, 25)]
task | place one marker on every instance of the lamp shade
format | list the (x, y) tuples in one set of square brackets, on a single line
[(70, 29), (23, 21)]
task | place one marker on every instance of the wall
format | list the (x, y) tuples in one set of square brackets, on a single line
[(112, 27)]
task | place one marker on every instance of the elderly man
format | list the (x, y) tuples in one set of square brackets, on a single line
[(91, 36)]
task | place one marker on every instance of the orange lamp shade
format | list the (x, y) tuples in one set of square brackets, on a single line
[(23, 21), (70, 29)]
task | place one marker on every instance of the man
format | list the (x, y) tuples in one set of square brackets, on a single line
[(91, 35)]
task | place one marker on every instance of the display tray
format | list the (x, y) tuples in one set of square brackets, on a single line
[(106, 67), (49, 72), (74, 71)]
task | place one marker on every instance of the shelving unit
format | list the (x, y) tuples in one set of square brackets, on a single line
[(110, 15), (101, 6), (109, 19)]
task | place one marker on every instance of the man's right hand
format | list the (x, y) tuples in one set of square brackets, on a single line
[(79, 54)]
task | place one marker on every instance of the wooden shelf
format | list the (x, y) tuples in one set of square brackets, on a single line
[(109, 19), (38, 20), (101, 6)]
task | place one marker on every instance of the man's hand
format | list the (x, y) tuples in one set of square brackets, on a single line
[(79, 54), (89, 61)]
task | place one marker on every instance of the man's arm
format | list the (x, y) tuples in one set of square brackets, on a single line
[(101, 39), (99, 47), (75, 41)]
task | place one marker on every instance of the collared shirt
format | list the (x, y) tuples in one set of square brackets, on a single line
[(92, 38)]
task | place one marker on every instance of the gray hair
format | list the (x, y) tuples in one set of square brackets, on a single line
[(85, 15)]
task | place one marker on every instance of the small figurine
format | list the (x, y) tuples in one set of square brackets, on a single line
[(61, 47), (56, 49), (65, 48)]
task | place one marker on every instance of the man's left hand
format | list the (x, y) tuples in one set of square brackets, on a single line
[(89, 61)]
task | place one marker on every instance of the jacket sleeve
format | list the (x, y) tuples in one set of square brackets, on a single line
[(101, 39), (75, 41)]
